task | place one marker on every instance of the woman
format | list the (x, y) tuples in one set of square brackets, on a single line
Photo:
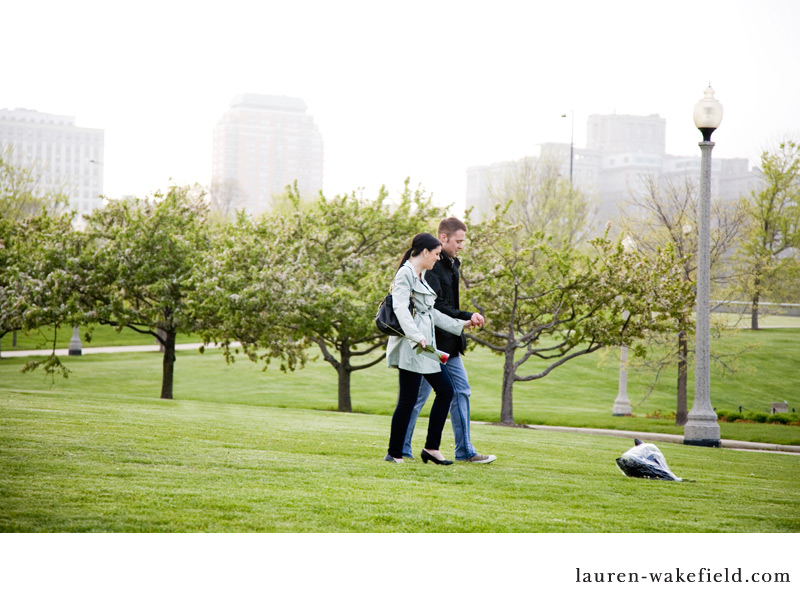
[(419, 331)]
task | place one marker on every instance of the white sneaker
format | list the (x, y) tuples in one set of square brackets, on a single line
[(478, 458)]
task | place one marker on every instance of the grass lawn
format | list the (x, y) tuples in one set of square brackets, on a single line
[(117, 459), (103, 335), (580, 393)]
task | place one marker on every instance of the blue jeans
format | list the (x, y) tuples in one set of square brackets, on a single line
[(459, 410)]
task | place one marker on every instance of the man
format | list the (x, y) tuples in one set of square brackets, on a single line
[(443, 278)]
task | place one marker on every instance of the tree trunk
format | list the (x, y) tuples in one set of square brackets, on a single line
[(754, 312), (682, 413), (507, 406), (344, 371), (169, 364)]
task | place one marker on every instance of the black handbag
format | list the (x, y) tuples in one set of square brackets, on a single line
[(387, 321)]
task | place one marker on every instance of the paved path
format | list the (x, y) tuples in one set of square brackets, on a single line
[(668, 438), (102, 350), (626, 434)]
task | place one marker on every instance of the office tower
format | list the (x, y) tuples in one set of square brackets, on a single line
[(262, 144), (60, 156)]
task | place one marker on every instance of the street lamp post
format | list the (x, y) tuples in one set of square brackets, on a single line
[(75, 345), (622, 405), (571, 144), (701, 426)]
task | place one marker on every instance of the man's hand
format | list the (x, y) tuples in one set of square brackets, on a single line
[(477, 320)]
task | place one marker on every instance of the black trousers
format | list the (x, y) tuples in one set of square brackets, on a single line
[(409, 390)]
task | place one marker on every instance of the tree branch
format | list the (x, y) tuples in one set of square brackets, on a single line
[(591, 348)]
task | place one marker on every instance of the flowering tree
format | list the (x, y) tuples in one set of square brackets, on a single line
[(140, 267), (312, 275), (553, 305), (41, 277), (241, 297)]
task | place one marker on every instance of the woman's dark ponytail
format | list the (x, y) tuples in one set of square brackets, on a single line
[(420, 243), (405, 258)]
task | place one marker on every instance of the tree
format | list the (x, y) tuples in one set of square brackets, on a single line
[(24, 210), (770, 250), (225, 198), (667, 214), (314, 275), (41, 277), (556, 304), (141, 267), (241, 295), (542, 201)]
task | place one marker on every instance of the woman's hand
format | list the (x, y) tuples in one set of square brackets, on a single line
[(422, 343)]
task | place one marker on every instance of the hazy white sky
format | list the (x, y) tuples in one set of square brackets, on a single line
[(415, 88)]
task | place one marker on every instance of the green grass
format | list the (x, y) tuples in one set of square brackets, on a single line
[(581, 393), (115, 459), (101, 336)]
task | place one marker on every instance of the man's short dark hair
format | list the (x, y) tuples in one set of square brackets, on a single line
[(449, 226)]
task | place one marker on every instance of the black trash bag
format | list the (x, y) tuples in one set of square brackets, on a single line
[(645, 461)]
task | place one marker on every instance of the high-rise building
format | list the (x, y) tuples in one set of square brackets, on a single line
[(60, 156), (262, 144)]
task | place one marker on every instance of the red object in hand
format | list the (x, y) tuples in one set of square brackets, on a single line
[(444, 357)]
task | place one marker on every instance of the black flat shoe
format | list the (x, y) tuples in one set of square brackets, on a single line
[(426, 457)]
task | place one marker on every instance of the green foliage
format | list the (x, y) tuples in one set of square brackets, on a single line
[(41, 276), (310, 274), (347, 252), (140, 269), (555, 304), (665, 212), (242, 292), (759, 417), (770, 253), (142, 260)]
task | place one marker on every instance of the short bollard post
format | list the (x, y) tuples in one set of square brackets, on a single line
[(75, 346), (622, 405)]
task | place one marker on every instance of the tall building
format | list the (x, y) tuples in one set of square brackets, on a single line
[(262, 144), (621, 152), (60, 156)]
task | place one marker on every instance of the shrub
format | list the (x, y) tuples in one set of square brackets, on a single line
[(760, 417), (728, 416), (785, 418), (661, 414)]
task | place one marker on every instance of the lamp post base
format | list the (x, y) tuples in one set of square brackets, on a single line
[(622, 405), (702, 442), (75, 346), (701, 430)]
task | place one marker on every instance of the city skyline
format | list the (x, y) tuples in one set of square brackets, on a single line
[(425, 92), (622, 152)]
